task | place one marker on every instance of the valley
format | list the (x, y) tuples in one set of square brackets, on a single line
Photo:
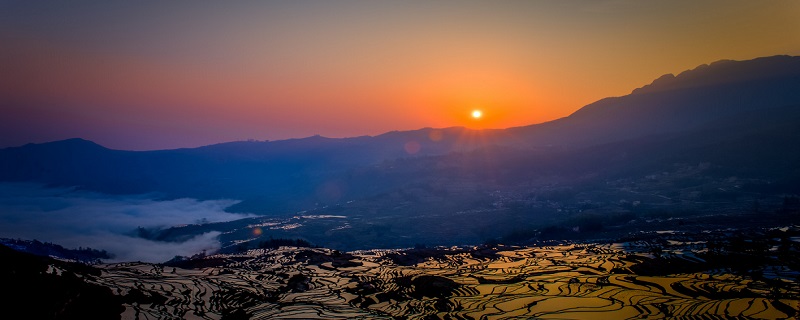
[(678, 200)]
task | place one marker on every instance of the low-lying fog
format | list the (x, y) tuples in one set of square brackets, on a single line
[(74, 218)]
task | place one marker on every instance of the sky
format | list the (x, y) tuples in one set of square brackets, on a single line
[(143, 75)]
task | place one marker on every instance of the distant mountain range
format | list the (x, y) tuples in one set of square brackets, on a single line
[(741, 117)]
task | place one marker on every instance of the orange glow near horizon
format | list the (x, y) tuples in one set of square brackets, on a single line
[(289, 70)]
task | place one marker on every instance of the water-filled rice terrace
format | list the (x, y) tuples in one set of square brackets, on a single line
[(574, 281)]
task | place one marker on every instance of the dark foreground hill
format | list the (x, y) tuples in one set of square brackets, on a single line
[(36, 287)]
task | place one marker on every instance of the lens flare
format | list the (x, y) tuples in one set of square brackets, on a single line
[(412, 147)]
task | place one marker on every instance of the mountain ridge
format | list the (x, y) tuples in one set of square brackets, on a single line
[(287, 175), (731, 71), (718, 73)]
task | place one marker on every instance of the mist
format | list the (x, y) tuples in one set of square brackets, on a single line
[(75, 218)]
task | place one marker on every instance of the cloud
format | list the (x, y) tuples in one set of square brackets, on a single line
[(74, 218)]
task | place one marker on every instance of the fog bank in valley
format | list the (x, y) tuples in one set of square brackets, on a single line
[(75, 218)]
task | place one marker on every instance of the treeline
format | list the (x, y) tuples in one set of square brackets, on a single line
[(280, 242), (271, 243), (577, 227), (36, 247)]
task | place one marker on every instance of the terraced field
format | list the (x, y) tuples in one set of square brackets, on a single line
[(557, 282)]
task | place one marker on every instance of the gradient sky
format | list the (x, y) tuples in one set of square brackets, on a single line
[(166, 74)]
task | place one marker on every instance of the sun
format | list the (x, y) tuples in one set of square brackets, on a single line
[(477, 114)]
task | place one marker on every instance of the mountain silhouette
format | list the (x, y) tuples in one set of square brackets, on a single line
[(740, 115), (673, 104)]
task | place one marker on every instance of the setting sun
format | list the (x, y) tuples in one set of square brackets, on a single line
[(477, 114)]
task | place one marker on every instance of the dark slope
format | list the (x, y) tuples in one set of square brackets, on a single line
[(672, 104), (36, 287)]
